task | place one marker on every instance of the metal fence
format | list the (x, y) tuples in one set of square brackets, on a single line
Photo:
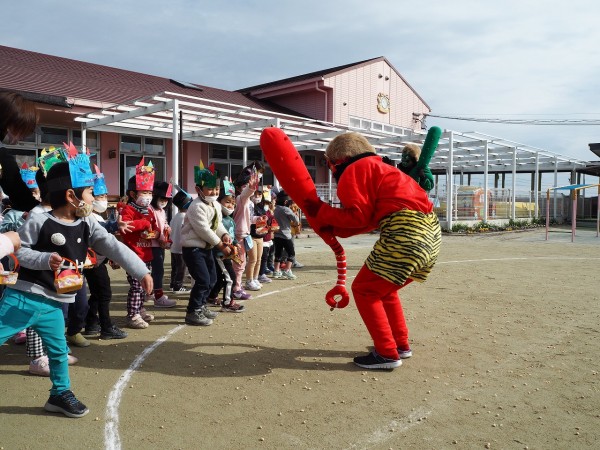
[(468, 203)]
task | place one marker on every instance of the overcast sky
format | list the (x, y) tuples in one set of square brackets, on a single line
[(517, 59)]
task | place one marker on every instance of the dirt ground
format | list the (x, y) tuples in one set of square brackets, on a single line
[(505, 337)]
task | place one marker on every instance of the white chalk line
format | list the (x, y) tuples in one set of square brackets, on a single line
[(111, 429)]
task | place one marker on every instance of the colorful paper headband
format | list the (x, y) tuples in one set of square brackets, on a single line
[(206, 177), (144, 176), (228, 188), (51, 156), (28, 176), (79, 167), (99, 182)]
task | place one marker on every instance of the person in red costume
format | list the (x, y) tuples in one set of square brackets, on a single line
[(377, 195)]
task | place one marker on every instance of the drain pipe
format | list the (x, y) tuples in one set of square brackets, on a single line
[(324, 92)]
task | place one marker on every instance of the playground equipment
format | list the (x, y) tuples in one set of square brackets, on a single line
[(574, 189)]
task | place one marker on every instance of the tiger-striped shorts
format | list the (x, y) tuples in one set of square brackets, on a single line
[(408, 246)]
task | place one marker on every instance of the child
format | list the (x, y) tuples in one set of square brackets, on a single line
[(377, 195), (161, 195), (225, 272), (202, 230), (47, 239), (182, 201), (143, 229), (242, 216), (261, 229), (98, 319), (254, 254), (283, 237)]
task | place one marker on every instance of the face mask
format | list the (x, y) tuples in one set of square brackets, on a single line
[(143, 201), (256, 200), (162, 205), (210, 198), (83, 209), (226, 211), (100, 205)]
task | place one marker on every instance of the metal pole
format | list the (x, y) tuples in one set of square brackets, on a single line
[(535, 184), (548, 212), (175, 150), (513, 212), (555, 184), (485, 181), (573, 213), (449, 181)]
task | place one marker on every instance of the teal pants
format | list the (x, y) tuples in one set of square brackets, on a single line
[(20, 310)]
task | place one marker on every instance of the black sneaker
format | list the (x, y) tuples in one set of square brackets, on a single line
[(197, 318), (113, 332), (91, 330), (67, 404), (375, 361)]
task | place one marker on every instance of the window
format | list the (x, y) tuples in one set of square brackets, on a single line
[(92, 139), (145, 145), (54, 136), (255, 154), (310, 160), (218, 152)]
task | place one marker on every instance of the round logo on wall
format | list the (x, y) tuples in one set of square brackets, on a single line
[(383, 103)]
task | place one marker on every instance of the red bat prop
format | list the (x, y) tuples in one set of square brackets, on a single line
[(288, 167)]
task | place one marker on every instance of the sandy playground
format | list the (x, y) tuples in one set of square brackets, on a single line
[(506, 345)]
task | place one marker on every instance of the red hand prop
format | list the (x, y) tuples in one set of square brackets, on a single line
[(288, 167)]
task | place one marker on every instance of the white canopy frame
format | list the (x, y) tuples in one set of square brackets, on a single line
[(212, 121)]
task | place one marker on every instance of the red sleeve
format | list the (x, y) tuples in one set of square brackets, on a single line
[(129, 214)]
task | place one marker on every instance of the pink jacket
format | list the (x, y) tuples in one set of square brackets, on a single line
[(242, 215)]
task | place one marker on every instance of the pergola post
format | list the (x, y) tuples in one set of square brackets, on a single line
[(555, 185), (513, 212), (485, 181), (176, 149), (449, 182), (536, 176)]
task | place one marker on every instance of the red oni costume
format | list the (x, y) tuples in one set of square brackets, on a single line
[(374, 195)]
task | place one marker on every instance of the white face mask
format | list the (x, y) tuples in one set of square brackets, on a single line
[(226, 211), (100, 205), (162, 205), (210, 198), (143, 201)]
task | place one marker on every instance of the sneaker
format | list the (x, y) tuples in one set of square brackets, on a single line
[(164, 302), (78, 340), (137, 322), (233, 307), (91, 330), (264, 279), (271, 269), (277, 275), (288, 275), (251, 286), (181, 290), (297, 265), (208, 313), (197, 318), (375, 361), (72, 360), (67, 404), (268, 272), (114, 332), (258, 283), (241, 295), (40, 366), (146, 315), (405, 353), (20, 337)]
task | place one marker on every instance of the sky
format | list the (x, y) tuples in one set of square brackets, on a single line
[(507, 59)]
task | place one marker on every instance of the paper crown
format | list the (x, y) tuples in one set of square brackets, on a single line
[(181, 198), (206, 177), (28, 176), (144, 176), (49, 157), (162, 189), (228, 188), (99, 182), (79, 167)]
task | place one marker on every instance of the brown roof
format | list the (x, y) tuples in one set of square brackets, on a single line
[(54, 76)]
